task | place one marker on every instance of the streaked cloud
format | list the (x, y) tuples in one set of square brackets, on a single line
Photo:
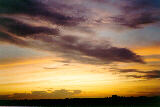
[(152, 74), (51, 39), (138, 13), (56, 94), (37, 9)]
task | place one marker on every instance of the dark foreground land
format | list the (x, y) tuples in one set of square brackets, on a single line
[(114, 101)]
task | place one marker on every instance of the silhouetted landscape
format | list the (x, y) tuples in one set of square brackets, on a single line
[(114, 101)]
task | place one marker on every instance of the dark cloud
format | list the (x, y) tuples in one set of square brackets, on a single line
[(101, 1), (57, 94), (71, 45), (22, 29), (130, 70), (37, 8), (134, 13), (75, 47), (4, 37), (153, 74), (104, 51), (137, 13)]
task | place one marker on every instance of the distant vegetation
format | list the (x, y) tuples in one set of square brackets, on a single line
[(114, 101)]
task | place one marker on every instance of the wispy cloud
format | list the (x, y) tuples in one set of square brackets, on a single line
[(152, 74), (138, 13), (23, 29), (97, 50), (57, 94), (37, 9)]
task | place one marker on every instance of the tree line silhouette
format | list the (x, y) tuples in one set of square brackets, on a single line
[(88, 102)]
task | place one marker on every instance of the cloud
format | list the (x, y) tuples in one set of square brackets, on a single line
[(50, 67), (138, 13), (130, 70), (4, 37), (99, 49), (132, 14), (155, 74), (39, 9), (57, 94), (94, 50), (22, 29), (151, 93), (152, 74)]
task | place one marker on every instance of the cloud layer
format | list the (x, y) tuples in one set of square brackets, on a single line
[(18, 31), (138, 13), (57, 94), (152, 74), (37, 9)]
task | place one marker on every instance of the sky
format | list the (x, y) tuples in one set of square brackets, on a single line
[(53, 49)]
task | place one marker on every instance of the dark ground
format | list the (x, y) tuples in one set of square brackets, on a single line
[(114, 101)]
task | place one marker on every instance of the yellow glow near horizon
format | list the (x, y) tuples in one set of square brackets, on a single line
[(41, 74)]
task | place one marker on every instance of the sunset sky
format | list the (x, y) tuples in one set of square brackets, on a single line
[(53, 49)]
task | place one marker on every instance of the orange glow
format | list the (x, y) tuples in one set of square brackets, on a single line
[(149, 50)]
